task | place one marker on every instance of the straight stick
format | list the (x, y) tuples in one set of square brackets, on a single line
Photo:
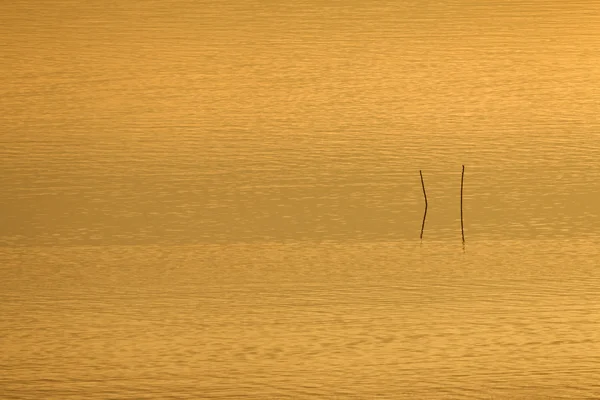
[(425, 213), (462, 229)]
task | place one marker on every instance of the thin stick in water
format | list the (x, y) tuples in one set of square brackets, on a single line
[(462, 229), (424, 195)]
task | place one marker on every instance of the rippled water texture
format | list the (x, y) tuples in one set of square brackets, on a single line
[(222, 200), (505, 319)]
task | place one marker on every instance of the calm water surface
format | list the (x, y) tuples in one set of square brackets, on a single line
[(505, 319), (206, 200)]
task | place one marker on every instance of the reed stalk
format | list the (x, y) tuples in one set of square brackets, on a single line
[(425, 213), (462, 228)]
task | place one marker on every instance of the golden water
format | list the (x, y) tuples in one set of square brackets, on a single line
[(204, 200)]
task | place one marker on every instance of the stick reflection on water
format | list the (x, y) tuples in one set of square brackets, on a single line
[(462, 229), (425, 213)]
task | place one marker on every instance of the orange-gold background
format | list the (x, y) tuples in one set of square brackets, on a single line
[(242, 179)]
